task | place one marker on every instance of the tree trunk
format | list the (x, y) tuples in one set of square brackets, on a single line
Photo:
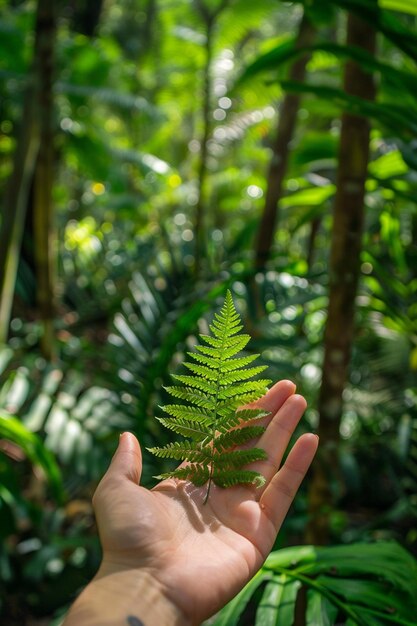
[(17, 194), (311, 244), (281, 149), (344, 269), (210, 18), (44, 232), (199, 229), (86, 16)]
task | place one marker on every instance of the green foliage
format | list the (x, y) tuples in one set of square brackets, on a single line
[(359, 585), (128, 140), (405, 6), (13, 430), (210, 418)]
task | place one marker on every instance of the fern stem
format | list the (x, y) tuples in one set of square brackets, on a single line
[(216, 400), (213, 434)]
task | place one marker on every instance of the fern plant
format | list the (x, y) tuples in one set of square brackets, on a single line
[(209, 419)]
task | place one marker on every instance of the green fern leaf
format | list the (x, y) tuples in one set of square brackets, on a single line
[(189, 413), (229, 478), (211, 419), (184, 427), (197, 474), (237, 437), (192, 396), (235, 364), (238, 458)]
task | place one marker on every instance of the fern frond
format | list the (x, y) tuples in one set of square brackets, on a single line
[(240, 342), (251, 414), (193, 414), (237, 437), (207, 350), (197, 474), (184, 427), (191, 395), (229, 478), (212, 420), (198, 383), (238, 458), (237, 376), (235, 364), (180, 451), (205, 360), (235, 345), (202, 370), (244, 389)]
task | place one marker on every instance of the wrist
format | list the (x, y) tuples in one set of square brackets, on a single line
[(126, 597)]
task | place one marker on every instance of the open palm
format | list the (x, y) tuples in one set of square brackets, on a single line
[(203, 554)]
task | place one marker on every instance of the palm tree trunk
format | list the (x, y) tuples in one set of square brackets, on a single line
[(344, 269)]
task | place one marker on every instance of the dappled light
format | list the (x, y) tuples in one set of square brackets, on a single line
[(154, 157)]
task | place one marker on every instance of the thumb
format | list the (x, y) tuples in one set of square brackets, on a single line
[(127, 460)]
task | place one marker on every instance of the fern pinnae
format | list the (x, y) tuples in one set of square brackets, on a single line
[(211, 420)]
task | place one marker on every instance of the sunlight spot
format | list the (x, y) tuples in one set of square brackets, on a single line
[(292, 184), (367, 268), (179, 219), (160, 283), (254, 191), (311, 372), (220, 133), (194, 145), (225, 102), (174, 181), (98, 189), (219, 115), (187, 235)]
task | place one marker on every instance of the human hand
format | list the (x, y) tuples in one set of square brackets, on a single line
[(201, 555)]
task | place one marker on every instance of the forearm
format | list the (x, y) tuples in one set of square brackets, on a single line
[(124, 598)]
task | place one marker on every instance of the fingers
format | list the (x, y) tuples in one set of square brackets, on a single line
[(275, 397), (272, 401), (279, 494), (278, 434), (127, 460)]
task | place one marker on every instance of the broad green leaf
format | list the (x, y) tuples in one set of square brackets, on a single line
[(398, 118), (386, 560), (309, 197), (277, 605), (291, 557), (388, 165), (320, 610), (404, 6), (393, 29), (375, 595), (230, 614), (12, 429), (284, 53)]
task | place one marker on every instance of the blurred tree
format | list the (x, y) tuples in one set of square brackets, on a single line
[(344, 268), (45, 249), (34, 127), (287, 118), (209, 15), (85, 16)]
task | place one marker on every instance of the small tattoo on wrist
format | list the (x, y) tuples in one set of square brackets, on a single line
[(134, 621)]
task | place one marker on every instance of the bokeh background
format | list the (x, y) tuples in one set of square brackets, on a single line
[(153, 154)]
